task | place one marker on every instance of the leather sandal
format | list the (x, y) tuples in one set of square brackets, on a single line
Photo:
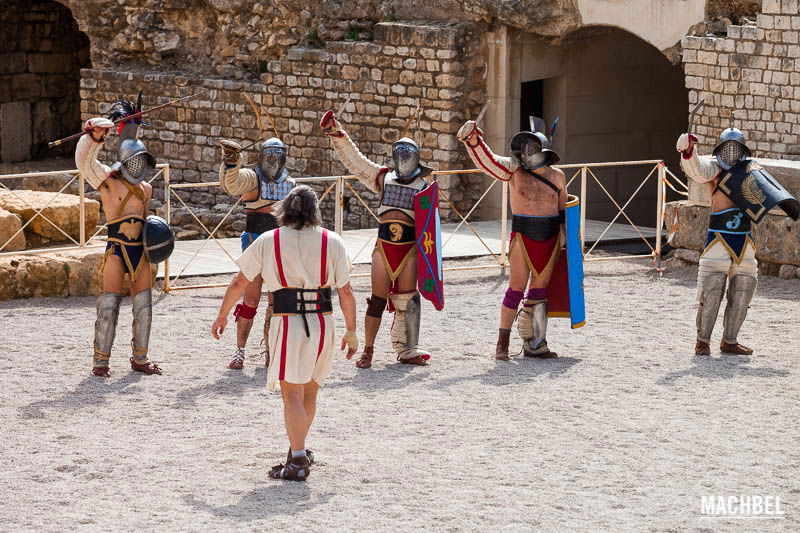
[(146, 368), (365, 361), (101, 371), (734, 348)]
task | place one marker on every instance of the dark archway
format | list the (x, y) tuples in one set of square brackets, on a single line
[(42, 52), (620, 99)]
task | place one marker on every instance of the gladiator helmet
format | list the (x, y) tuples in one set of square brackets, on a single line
[(532, 150), (135, 163), (731, 148), (272, 158)]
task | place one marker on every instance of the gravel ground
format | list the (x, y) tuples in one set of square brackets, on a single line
[(626, 431)]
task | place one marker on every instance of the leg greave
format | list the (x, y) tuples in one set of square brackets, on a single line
[(142, 320), (405, 328), (740, 294), (710, 295), (105, 327)]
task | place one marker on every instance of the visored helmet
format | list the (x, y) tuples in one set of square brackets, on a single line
[(731, 148), (272, 158), (532, 150), (405, 156), (135, 163)]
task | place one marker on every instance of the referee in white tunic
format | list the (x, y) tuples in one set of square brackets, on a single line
[(300, 263)]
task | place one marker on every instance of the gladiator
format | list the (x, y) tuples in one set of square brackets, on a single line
[(125, 196), (538, 202), (394, 258), (741, 192), (260, 186)]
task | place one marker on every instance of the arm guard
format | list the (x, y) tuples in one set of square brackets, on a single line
[(496, 166), (700, 170), (235, 180), (367, 172), (90, 168)]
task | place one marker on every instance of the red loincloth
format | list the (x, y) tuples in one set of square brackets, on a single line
[(540, 255)]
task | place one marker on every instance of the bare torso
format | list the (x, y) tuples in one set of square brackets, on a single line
[(719, 202), (529, 196), (113, 192)]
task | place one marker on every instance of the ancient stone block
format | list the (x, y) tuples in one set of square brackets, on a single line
[(15, 132), (9, 225), (62, 210)]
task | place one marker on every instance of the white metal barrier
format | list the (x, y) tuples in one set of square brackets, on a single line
[(93, 240), (337, 185)]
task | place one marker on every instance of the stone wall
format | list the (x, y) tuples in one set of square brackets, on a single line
[(750, 80), (234, 38), (41, 54), (386, 79)]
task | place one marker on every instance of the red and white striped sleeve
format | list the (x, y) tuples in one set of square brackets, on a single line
[(496, 166)]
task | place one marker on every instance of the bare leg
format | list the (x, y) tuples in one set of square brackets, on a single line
[(294, 414), (252, 295), (310, 404), (113, 274), (376, 305), (380, 288), (518, 279)]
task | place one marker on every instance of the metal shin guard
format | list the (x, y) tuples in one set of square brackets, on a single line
[(537, 344), (105, 327), (405, 328), (142, 320), (740, 294), (711, 291)]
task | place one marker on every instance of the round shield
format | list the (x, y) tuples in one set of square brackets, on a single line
[(159, 241)]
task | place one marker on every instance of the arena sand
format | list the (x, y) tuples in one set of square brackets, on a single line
[(626, 431)]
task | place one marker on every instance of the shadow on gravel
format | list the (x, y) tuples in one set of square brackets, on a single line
[(392, 377), (233, 383), (90, 392), (724, 367), (276, 498), (518, 370)]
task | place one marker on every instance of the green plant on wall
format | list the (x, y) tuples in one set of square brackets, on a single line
[(313, 39), (352, 35)]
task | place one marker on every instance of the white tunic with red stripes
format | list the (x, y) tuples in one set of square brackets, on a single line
[(304, 259)]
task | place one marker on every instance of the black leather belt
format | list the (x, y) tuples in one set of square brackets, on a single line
[(731, 220), (396, 232), (126, 230), (536, 228), (293, 302), (260, 222)]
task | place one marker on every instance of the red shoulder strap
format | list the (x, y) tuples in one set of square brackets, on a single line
[(277, 243), (323, 275)]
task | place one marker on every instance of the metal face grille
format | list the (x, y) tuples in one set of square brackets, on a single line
[(136, 165), (732, 152)]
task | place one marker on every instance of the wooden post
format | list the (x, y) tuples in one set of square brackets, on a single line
[(338, 209), (82, 216), (583, 209), (662, 176), (168, 217), (504, 224)]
